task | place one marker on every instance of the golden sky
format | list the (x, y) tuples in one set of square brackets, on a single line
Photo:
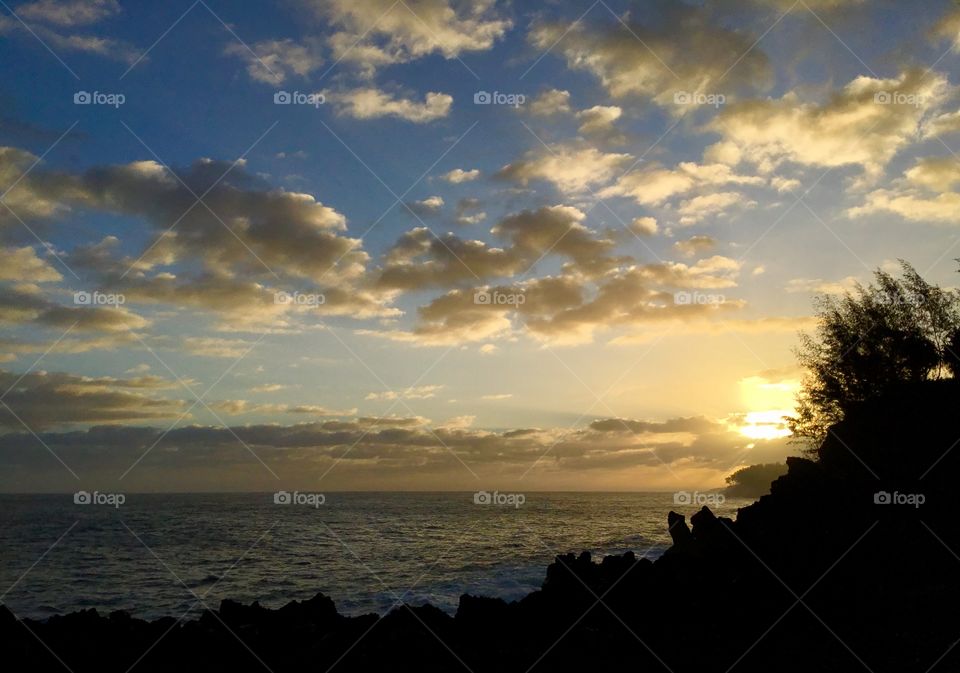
[(356, 244)]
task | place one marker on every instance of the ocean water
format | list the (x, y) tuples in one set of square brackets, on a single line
[(364, 550)]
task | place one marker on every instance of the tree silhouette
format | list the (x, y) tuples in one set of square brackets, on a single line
[(894, 330), (754, 480)]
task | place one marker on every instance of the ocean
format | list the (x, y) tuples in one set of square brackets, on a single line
[(366, 551)]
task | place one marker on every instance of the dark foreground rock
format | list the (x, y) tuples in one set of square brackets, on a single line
[(821, 575)]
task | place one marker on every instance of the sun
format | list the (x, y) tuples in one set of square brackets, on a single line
[(765, 424)]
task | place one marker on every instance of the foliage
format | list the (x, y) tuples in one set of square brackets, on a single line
[(754, 480), (892, 331)]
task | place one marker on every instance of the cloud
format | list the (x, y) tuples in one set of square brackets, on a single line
[(571, 308), (28, 198), (853, 127), (782, 184), (940, 209), (421, 259), (634, 296), (819, 5), (372, 103), (216, 347), (686, 51), (374, 33), (429, 206), (243, 407), (925, 193), (274, 61), (705, 206), (656, 184), (68, 13), (820, 286), (598, 122), (643, 226), (941, 125), (468, 211), (268, 388), (934, 173), (449, 319), (458, 175), (695, 245), (23, 265), (475, 218), (948, 28), (43, 400), (571, 169), (29, 306), (49, 19), (458, 422), (248, 241), (393, 451), (549, 102), (497, 396), (414, 393), (557, 230)]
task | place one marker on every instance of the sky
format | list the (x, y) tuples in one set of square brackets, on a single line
[(432, 245)]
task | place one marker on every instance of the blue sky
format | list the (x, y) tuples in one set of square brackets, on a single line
[(675, 184)]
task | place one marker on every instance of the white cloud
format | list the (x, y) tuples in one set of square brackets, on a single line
[(372, 103), (656, 184), (925, 193), (598, 122), (571, 169), (458, 175), (853, 127), (686, 51), (375, 33), (23, 265), (644, 226), (68, 13), (273, 61), (820, 286), (549, 102), (414, 393), (695, 245), (706, 206)]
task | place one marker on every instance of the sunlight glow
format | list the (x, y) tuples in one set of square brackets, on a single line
[(765, 424)]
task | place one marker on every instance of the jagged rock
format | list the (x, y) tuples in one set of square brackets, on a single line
[(677, 525)]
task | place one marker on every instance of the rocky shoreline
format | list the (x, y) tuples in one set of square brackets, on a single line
[(835, 570)]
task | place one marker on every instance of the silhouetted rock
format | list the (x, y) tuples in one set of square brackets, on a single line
[(677, 525)]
